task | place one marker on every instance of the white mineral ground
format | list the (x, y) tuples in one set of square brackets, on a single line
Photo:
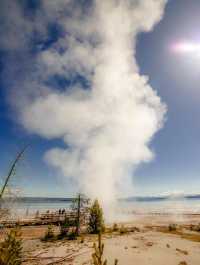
[(147, 246)]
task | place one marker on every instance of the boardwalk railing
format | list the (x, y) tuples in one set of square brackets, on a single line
[(45, 219)]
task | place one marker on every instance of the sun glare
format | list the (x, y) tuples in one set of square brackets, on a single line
[(187, 47)]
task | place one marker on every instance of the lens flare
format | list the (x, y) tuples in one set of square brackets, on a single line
[(187, 47)]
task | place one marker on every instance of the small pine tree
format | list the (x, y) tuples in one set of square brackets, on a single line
[(97, 256), (96, 222), (11, 248)]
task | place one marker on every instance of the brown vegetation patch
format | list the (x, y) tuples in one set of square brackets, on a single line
[(183, 263), (192, 237), (149, 244), (185, 252)]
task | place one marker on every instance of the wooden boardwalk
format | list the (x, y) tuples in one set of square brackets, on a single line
[(45, 219)]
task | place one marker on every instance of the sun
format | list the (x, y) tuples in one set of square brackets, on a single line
[(186, 47)]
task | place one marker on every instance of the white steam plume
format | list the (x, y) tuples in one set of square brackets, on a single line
[(107, 128)]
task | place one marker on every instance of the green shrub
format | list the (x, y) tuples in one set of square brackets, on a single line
[(82, 239), (196, 228), (72, 235), (96, 222), (49, 234), (172, 227), (67, 229), (115, 227), (11, 248), (123, 230), (64, 228)]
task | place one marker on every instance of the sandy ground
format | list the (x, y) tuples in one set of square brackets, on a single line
[(153, 244), (145, 248)]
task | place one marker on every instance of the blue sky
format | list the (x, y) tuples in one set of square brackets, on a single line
[(176, 78)]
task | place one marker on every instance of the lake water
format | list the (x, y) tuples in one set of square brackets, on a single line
[(29, 206)]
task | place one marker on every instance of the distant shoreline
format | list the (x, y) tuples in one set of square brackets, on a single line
[(128, 199)]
